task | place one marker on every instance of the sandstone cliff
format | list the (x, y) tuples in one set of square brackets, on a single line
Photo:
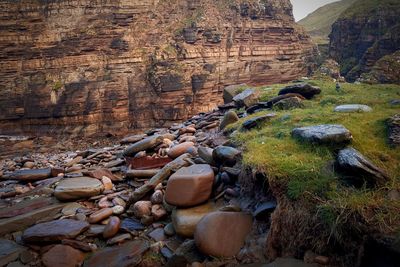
[(108, 66), (366, 32)]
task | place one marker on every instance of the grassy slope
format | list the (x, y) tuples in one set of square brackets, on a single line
[(318, 24), (302, 168), (368, 7)]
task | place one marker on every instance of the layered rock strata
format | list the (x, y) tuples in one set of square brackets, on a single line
[(87, 67)]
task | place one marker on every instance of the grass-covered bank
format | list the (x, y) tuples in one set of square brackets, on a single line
[(303, 173)]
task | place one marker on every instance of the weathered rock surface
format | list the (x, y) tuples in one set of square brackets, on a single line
[(112, 75), (9, 251), (54, 230), (222, 234), (304, 89), (62, 256), (190, 186), (353, 108), (229, 118), (394, 130), (31, 175), (76, 188), (231, 91), (289, 103), (361, 170), (246, 99), (185, 220), (226, 155), (330, 134), (128, 254)]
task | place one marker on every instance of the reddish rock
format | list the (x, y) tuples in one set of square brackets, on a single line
[(222, 234), (76, 188), (158, 212), (107, 183), (100, 215), (180, 149), (112, 227), (142, 208), (190, 186), (62, 256), (99, 173)]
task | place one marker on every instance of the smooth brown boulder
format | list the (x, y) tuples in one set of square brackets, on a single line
[(76, 188), (100, 215), (54, 231), (185, 220), (112, 227), (180, 149), (222, 234), (62, 256), (190, 186)]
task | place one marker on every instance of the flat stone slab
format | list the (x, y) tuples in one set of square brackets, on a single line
[(77, 188), (353, 163), (9, 251), (353, 108), (128, 254), (323, 134), (54, 231), (30, 175)]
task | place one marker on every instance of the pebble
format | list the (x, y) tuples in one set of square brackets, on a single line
[(112, 227), (118, 210), (157, 197), (158, 212), (142, 208), (108, 185), (100, 215)]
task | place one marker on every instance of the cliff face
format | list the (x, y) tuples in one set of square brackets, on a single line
[(366, 32), (90, 66)]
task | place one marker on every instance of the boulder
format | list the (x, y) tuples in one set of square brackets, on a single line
[(353, 108), (185, 220), (247, 98), (231, 91), (30, 175), (62, 256), (359, 170), (145, 144), (329, 134), (226, 155), (222, 234), (180, 149), (190, 186), (289, 103), (128, 254), (77, 188), (304, 89), (230, 117), (54, 231), (254, 122)]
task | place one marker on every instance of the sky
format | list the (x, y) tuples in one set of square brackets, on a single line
[(301, 8)]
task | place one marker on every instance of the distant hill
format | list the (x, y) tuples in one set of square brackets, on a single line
[(318, 24)]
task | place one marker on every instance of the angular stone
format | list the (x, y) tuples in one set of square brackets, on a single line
[(54, 231), (289, 103), (157, 234), (128, 254), (74, 161), (353, 108), (231, 91), (304, 89), (31, 174), (206, 154), (359, 169), (112, 227), (99, 173), (226, 155), (222, 234), (62, 256), (230, 117), (100, 215), (324, 134), (130, 225), (190, 186), (119, 239), (107, 183), (77, 188), (158, 212), (180, 149), (246, 99), (185, 220), (254, 122), (145, 144), (9, 251)]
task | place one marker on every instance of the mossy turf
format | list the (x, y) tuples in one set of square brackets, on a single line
[(305, 170)]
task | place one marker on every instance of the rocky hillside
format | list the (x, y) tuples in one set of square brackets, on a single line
[(319, 23), (108, 66), (367, 31)]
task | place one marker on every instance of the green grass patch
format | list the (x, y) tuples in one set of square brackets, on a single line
[(306, 169)]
